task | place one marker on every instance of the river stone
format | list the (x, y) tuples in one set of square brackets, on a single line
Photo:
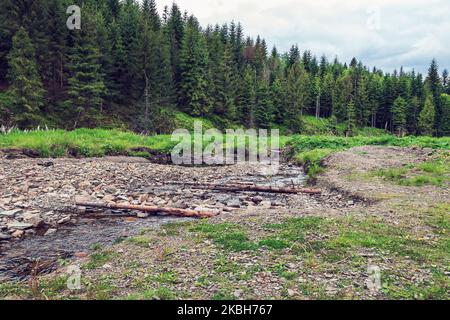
[(50, 232), (142, 215), (4, 236), (109, 197), (10, 213), (257, 199), (19, 225), (234, 203), (17, 233), (64, 220), (33, 218)]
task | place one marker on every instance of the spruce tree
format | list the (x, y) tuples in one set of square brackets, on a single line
[(225, 86), (427, 117), (86, 87), (342, 96), (277, 97), (399, 116), (129, 22), (247, 98), (11, 12), (297, 95), (26, 86), (352, 119), (326, 95), (412, 115), (57, 48), (194, 71), (175, 35), (264, 106), (117, 74), (433, 82), (150, 13), (445, 121)]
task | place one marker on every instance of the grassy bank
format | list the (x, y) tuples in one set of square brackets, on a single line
[(310, 150), (83, 142)]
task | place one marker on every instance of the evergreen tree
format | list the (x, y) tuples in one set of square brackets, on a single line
[(427, 117), (117, 73), (362, 102), (297, 95), (264, 106), (11, 12), (445, 121), (277, 97), (247, 98), (342, 96), (175, 34), (194, 70), (434, 85), (399, 116), (293, 56), (150, 13), (412, 115), (352, 117), (26, 86), (57, 48), (326, 96), (129, 21), (225, 85), (86, 88)]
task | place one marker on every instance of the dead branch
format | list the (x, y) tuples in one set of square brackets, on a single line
[(151, 209), (245, 187)]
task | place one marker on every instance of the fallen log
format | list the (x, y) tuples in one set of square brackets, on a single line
[(245, 187), (151, 209)]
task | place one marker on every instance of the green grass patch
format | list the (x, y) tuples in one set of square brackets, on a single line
[(99, 258), (140, 241), (435, 172), (228, 236), (161, 293), (437, 288), (13, 290)]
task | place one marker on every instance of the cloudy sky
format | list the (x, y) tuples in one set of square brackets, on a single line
[(383, 33)]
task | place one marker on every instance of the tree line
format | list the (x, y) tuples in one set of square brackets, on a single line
[(128, 62)]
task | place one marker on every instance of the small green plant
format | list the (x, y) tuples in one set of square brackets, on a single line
[(99, 258)]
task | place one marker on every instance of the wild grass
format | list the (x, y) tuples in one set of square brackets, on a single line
[(434, 172), (309, 151)]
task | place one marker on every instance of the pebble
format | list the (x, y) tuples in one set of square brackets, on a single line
[(17, 234), (64, 220), (50, 232), (4, 236), (20, 225), (257, 199), (142, 215), (291, 292), (234, 203), (10, 213)]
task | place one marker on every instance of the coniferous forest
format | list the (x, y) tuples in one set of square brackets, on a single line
[(130, 67)]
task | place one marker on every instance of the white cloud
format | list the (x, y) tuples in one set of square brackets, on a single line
[(385, 33)]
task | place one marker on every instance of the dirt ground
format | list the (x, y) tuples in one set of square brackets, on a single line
[(364, 237)]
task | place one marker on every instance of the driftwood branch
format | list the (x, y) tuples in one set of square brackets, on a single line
[(151, 209), (245, 187)]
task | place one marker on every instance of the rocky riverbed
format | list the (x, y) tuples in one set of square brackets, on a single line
[(39, 218)]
